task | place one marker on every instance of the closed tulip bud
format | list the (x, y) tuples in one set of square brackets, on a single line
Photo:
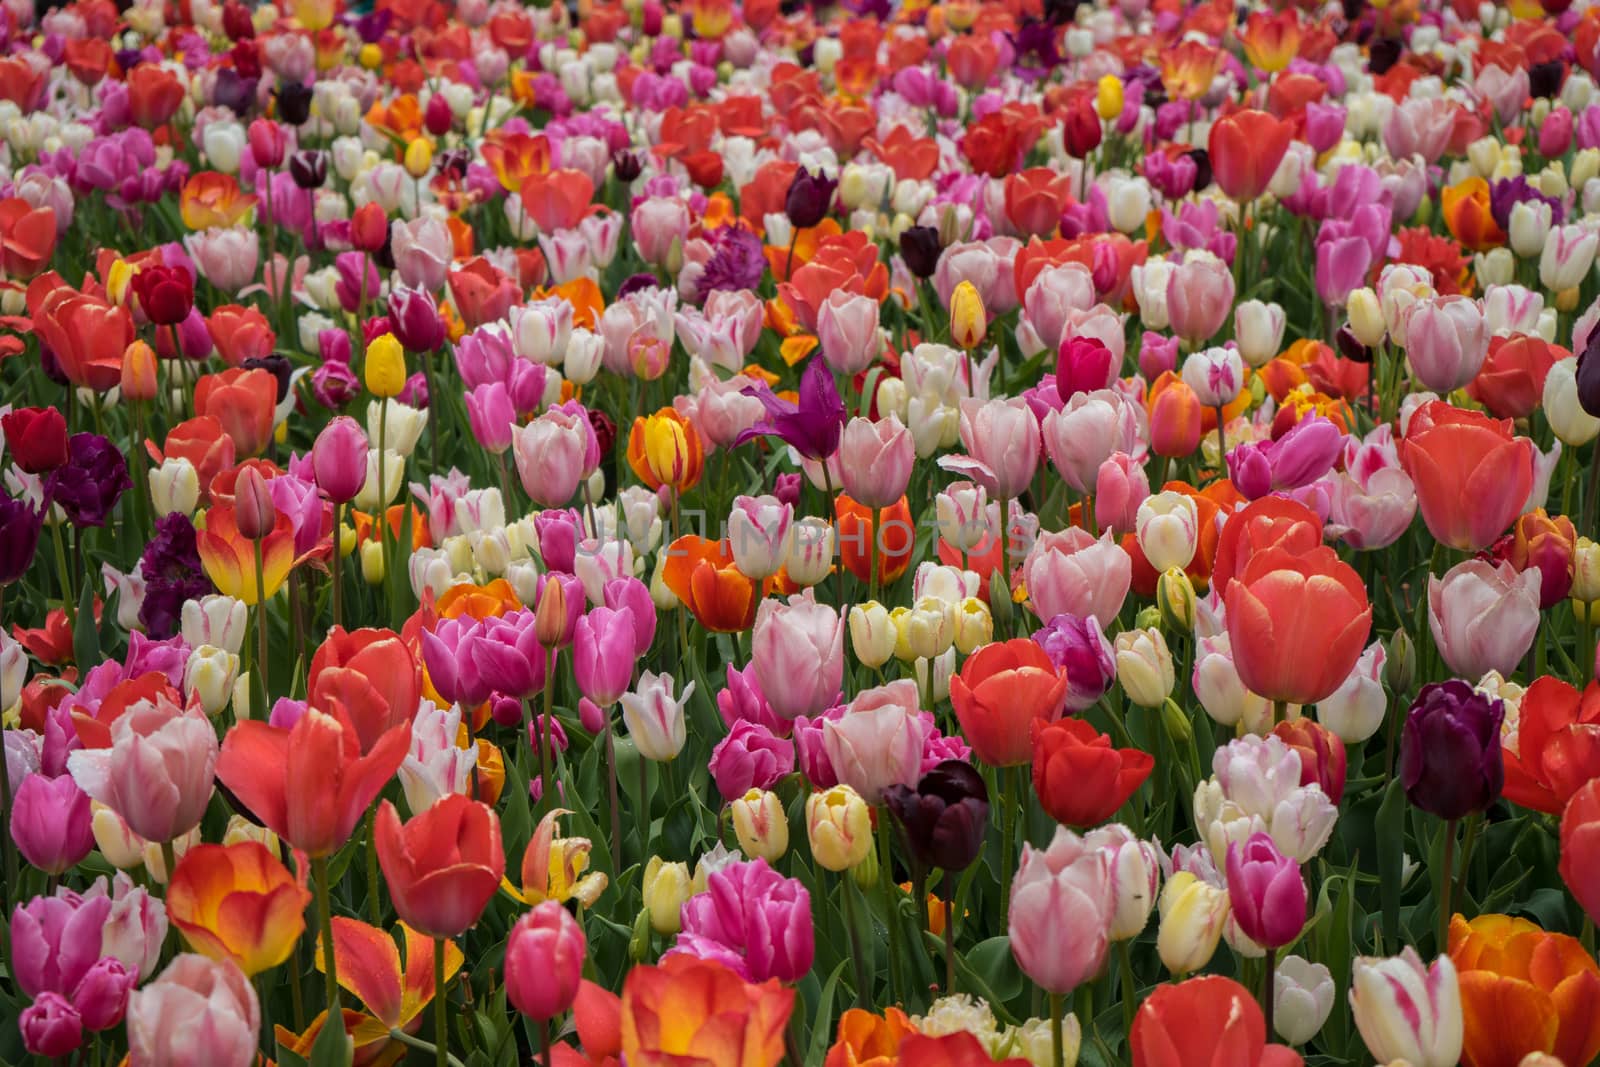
[(761, 825), (419, 157), (138, 372), (1529, 227), (1497, 266), (1266, 890), (1586, 571), (369, 229), (209, 676), (1108, 97), (808, 555), (1144, 666), (385, 366), (838, 828), (253, 510), (1168, 529), (1259, 326), (1365, 316), (372, 565), (654, 717), (1303, 995), (174, 487), (666, 887), (241, 696), (969, 322), (544, 961), (758, 530), (551, 622), (927, 630), (872, 634), (1176, 722), (1400, 666), (974, 625), (1193, 913), (1175, 597), (865, 873), (1215, 375)]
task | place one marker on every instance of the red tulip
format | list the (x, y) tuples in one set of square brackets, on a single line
[(36, 438), (1580, 847), (1557, 745), (557, 200), (1322, 757), (1511, 381), (1205, 1022), (154, 94), (1297, 624), (482, 292), (1001, 690), (1079, 778), (1472, 475), (368, 679), (166, 294), (244, 402), (1246, 148), (1271, 522), (87, 334), (443, 866), (27, 237), (310, 785)]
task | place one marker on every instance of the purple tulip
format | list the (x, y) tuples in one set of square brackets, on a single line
[(55, 940), (812, 426), (559, 531), (1078, 645), (744, 700), (508, 655), (1450, 760), (91, 483), (1266, 891), (447, 651), (750, 757), (753, 919), (414, 317)]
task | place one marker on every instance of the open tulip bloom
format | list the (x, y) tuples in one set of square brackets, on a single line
[(727, 532)]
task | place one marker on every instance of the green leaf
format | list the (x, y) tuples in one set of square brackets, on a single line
[(333, 1047), (991, 966), (85, 638), (1391, 859), (821, 1031)]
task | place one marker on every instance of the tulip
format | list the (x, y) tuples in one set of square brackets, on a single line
[(1483, 617), (754, 919), (51, 1026), (1520, 988), (878, 742), (1471, 475), (798, 650), (603, 654), (1566, 257), (1573, 425), (1450, 760), (1193, 913), (666, 886), (876, 460), (969, 321), (1258, 328), (944, 817), (1078, 646), (1210, 1019), (544, 962), (1446, 342), (1303, 994), (550, 453), (1246, 148), (694, 1009), (664, 449), (1002, 442), (654, 717), (808, 551), (36, 439), (847, 325), (1266, 891), (50, 822), (1168, 530), (1060, 912), (1088, 431), (238, 903), (1408, 1011), (1551, 760), (750, 757), (1001, 690), (1079, 778), (1215, 375), (1083, 365), (761, 825), (872, 634), (1175, 417), (1144, 666), (1323, 762), (157, 773), (1199, 297), (443, 866), (838, 828), (197, 1012), (1073, 573), (758, 528)]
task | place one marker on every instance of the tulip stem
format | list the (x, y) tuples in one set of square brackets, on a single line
[(1222, 446), (1468, 839), (544, 1045), (261, 629), (330, 959), (169, 859), (1446, 877), (338, 552), (547, 757), (441, 1033), (616, 809), (68, 601), (374, 900), (1125, 962), (949, 945), (833, 514), (1058, 1008), (5, 824), (381, 518), (1007, 832), (1005, 548), (1267, 990), (404, 1038), (886, 882), (847, 889)]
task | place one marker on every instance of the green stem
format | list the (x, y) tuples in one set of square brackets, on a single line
[(441, 1033), (1469, 839), (847, 889), (1267, 992), (547, 756), (404, 1038), (380, 516), (330, 961), (338, 585), (544, 1045), (1008, 829), (1125, 965), (169, 859), (886, 883), (949, 945), (1057, 1012), (374, 897), (261, 631), (68, 601), (616, 809), (1446, 877), (833, 514)]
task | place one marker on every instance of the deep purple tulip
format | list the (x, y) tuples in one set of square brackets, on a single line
[(1450, 761), (813, 426), (20, 523), (809, 197), (91, 483), (944, 817)]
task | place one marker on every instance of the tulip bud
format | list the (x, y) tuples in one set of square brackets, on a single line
[(386, 366), (1365, 315), (419, 157), (550, 616), (865, 873), (1108, 97), (138, 372), (1400, 666), (639, 941), (1193, 913), (1176, 723), (1259, 327), (372, 563), (175, 487), (924, 631), (1001, 607), (974, 625), (808, 551), (121, 847), (872, 634), (1144, 666), (1175, 598), (369, 229), (544, 961), (761, 825), (1303, 995), (208, 676), (666, 887), (253, 510), (969, 322), (838, 827), (1168, 528)]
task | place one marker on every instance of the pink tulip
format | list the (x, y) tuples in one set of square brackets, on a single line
[(1342, 264), (1418, 126), (1060, 912), (136, 926), (508, 656), (1104, 325), (50, 823), (198, 1013), (1446, 341), (452, 668), (1083, 365), (544, 961), (750, 757), (1088, 431), (722, 410), (101, 995), (1266, 891), (656, 223), (159, 771), (1483, 617), (423, 251), (492, 417), (798, 649), (1555, 133), (603, 654), (1070, 572), (1199, 297), (1055, 292), (1119, 488), (878, 742), (847, 324), (55, 941), (1002, 442), (551, 452), (1505, 91), (226, 258), (51, 1026), (875, 460), (339, 459), (987, 265), (1157, 354)]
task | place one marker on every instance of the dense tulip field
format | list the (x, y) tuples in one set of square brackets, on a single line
[(718, 533)]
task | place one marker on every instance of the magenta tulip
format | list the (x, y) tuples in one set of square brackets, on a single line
[(1266, 891)]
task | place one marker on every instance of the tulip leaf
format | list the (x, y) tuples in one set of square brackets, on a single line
[(990, 971), (516, 822), (822, 1034), (333, 1048), (1391, 859), (86, 638)]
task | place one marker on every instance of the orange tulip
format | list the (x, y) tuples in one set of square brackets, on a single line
[(202, 442), (1524, 990), (558, 199), (27, 238), (1472, 474), (1002, 688), (238, 902), (860, 526), (1297, 623), (310, 785), (1188, 70), (482, 292), (1176, 417), (702, 574), (1271, 522), (1466, 212), (1557, 749), (1246, 148), (514, 157), (443, 866), (87, 334), (477, 601), (229, 557), (1270, 41), (665, 449), (244, 402), (210, 199), (690, 1010), (368, 679), (241, 333), (1035, 199), (868, 1040)]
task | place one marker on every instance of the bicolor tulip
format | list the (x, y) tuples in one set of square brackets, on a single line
[(238, 902)]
